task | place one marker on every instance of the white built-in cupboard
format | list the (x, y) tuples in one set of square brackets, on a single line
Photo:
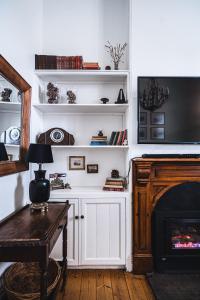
[(99, 238), (96, 232), (103, 236)]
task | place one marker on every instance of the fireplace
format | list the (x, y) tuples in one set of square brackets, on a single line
[(176, 229), (166, 215)]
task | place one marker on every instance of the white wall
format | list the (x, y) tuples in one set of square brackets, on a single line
[(20, 31), (20, 28), (83, 27), (165, 41)]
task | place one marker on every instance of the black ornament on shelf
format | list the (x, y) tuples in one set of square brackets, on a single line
[(104, 100), (108, 68), (121, 98), (154, 96), (115, 174), (5, 94), (100, 133)]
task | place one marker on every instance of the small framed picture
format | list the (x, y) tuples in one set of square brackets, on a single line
[(158, 118), (143, 118), (76, 162), (92, 168), (157, 133), (10, 157), (57, 180), (142, 133)]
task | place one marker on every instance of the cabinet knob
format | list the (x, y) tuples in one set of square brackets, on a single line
[(82, 217), (76, 217)]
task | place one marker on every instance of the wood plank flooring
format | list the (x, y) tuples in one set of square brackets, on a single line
[(105, 285)]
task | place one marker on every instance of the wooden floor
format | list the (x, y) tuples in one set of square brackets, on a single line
[(105, 285)]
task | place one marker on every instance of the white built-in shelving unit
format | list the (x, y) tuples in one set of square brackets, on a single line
[(84, 119), (100, 238)]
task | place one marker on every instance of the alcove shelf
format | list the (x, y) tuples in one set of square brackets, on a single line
[(10, 107), (82, 75), (82, 108)]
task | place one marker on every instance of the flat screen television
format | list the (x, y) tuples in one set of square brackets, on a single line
[(168, 110)]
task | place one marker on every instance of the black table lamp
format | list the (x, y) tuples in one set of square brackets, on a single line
[(3, 153), (39, 188)]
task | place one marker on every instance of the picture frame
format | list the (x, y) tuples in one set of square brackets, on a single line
[(77, 163), (92, 168), (157, 118), (143, 118), (142, 133), (157, 133)]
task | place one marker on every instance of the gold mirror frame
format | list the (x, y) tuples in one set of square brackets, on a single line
[(7, 71)]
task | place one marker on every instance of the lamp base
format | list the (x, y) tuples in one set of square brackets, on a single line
[(43, 206)]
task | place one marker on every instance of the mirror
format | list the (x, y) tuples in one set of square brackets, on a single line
[(15, 101)]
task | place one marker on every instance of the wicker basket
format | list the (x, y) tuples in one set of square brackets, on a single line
[(22, 280)]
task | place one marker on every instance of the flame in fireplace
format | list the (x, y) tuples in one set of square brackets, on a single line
[(189, 245)]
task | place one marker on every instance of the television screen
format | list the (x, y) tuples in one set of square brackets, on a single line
[(168, 110)]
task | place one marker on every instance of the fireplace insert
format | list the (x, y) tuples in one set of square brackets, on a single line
[(176, 229)]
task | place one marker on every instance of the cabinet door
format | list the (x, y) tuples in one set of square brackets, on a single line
[(102, 231), (72, 236)]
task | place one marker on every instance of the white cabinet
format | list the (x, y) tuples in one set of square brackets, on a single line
[(97, 236), (103, 231), (72, 236)]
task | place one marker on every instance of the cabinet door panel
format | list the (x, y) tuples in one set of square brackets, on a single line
[(103, 231), (72, 237)]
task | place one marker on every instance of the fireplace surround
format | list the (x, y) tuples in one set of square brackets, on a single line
[(166, 215)]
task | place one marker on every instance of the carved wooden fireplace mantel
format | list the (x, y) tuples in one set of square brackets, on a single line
[(151, 179)]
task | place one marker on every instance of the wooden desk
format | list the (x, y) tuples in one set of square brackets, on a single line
[(29, 236)]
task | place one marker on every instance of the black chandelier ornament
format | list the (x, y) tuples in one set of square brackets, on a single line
[(154, 96)]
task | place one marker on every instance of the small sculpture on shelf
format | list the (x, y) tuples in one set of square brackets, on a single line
[(52, 93), (108, 68), (116, 53), (104, 100), (115, 174), (121, 98), (100, 133), (71, 97), (5, 94)]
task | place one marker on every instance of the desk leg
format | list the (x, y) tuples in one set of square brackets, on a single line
[(44, 277), (64, 256)]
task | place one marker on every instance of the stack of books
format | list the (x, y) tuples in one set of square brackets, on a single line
[(99, 140), (114, 184), (91, 66), (118, 137), (54, 62)]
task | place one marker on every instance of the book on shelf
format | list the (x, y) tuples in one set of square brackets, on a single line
[(98, 140), (54, 62), (91, 66), (113, 189), (98, 143), (112, 138), (117, 138), (115, 184)]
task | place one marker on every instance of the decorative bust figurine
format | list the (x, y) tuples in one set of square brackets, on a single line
[(6, 95), (71, 97), (52, 93)]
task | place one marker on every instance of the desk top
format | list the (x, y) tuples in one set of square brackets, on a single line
[(32, 226)]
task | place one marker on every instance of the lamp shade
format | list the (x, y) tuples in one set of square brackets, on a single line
[(3, 153), (39, 153)]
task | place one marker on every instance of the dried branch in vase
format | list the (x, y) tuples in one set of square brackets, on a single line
[(116, 53)]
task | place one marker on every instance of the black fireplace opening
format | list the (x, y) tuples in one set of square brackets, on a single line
[(176, 229)]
